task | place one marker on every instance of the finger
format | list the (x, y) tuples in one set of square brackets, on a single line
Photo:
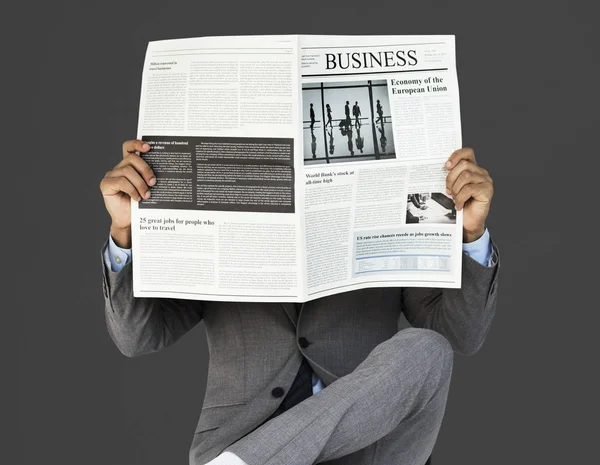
[(112, 186), (134, 178), (463, 165), (141, 166), (463, 196), (467, 177), (480, 192), (466, 153), (133, 146)]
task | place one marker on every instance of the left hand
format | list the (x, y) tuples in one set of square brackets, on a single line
[(472, 189)]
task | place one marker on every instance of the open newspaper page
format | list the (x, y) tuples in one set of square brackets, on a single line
[(222, 222), (380, 118)]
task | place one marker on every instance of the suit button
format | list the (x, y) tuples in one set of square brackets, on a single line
[(303, 342), (277, 392)]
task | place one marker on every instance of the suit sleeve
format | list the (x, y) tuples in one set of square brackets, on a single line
[(464, 315), (143, 325)]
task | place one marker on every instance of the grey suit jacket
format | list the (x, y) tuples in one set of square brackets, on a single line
[(254, 347)]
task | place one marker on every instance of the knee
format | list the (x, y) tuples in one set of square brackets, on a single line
[(426, 347), (429, 340)]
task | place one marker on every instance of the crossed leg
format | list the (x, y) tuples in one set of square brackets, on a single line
[(387, 411)]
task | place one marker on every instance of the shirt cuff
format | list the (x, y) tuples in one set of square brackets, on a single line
[(480, 250), (116, 257), (227, 458)]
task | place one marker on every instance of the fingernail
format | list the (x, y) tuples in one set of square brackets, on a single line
[(147, 195), (152, 181), (448, 164), (145, 146), (448, 191)]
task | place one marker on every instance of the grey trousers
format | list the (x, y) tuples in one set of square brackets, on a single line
[(388, 411)]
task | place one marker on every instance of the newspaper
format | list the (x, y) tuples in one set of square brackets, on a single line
[(291, 168)]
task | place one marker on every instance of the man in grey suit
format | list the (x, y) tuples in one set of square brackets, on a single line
[(332, 381)]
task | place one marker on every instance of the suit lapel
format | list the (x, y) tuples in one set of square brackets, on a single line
[(290, 310)]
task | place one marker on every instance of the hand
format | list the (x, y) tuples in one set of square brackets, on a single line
[(472, 189), (129, 179)]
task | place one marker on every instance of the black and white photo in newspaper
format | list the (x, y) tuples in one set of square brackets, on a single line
[(353, 122)]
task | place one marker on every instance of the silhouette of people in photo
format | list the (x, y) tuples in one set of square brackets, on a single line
[(328, 108), (382, 138), (379, 112), (331, 146), (360, 141), (356, 114), (350, 142), (370, 144), (347, 112)]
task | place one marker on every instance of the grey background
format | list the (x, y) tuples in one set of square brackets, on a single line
[(71, 78)]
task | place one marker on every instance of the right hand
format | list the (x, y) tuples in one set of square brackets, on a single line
[(131, 178)]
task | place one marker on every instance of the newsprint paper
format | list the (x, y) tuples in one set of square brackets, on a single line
[(291, 168)]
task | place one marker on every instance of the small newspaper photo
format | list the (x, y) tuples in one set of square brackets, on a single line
[(291, 168)]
